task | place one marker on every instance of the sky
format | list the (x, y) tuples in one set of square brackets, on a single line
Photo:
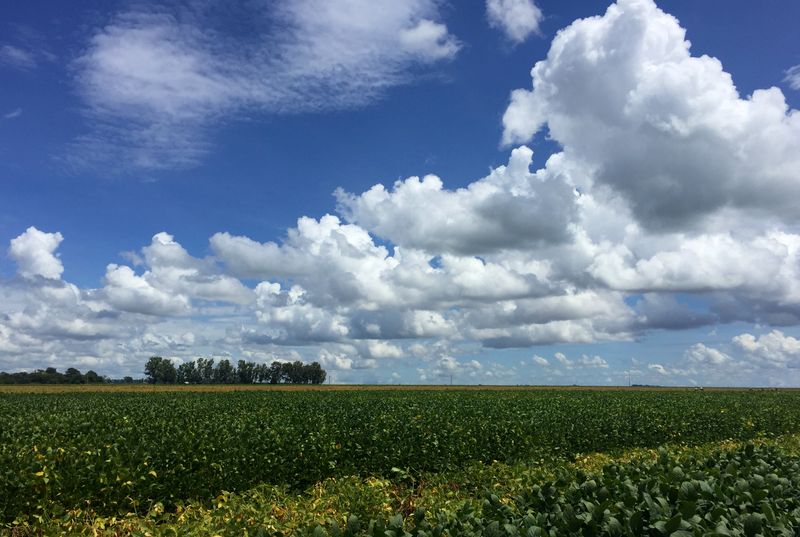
[(427, 191)]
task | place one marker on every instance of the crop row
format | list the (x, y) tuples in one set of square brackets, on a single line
[(744, 493), (119, 452)]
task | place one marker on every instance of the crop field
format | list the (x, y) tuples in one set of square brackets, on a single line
[(327, 462)]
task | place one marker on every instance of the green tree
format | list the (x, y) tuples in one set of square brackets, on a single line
[(158, 371), (93, 378), (151, 369), (205, 370), (316, 374), (73, 376), (225, 372), (187, 373), (275, 373)]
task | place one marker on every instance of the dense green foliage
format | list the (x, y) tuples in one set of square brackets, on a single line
[(123, 451), (748, 492), (51, 376), (160, 370)]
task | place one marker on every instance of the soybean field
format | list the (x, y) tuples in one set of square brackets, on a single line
[(114, 454)]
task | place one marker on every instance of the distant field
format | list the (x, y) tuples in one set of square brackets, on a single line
[(70, 388)]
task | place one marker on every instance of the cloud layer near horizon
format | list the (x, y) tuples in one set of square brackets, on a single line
[(668, 184)]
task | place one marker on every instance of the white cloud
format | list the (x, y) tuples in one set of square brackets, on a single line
[(151, 78), (15, 113), (126, 291), (774, 348), (666, 130), (510, 208), (17, 57), (518, 19), (592, 361), (700, 354), (563, 360), (34, 253), (447, 368), (429, 40), (540, 361), (793, 77), (658, 368)]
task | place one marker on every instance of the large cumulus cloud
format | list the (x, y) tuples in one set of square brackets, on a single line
[(668, 131)]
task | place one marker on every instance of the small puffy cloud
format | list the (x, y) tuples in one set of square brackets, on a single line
[(774, 348), (540, 361), (34, 253), (701, 354), (563, 360), (658, 368), (517, 19), (382, 350), (592, 361), (15, 113), (793, 77), (430, 40)]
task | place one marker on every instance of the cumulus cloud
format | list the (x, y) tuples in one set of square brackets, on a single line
[(127, 291), (774, 348), (563, 360), (510, 208), (154, 81), (666, 130), (34, 253), (517, 19), (449, 368), (658, 368), (700, 354), (172, 279), (538, 360), (592, 361)]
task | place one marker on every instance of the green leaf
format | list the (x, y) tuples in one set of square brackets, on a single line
[(752, 525)]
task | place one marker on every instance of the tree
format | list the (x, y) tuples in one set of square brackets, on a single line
[(73, 376), (151, 369), (275, 373), (315, 373), (225, 373), (205, 369), (158, 371), (262, 373), (93, 378), (246, 371), (187, 373)]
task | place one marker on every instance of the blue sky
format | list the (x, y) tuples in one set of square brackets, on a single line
[(167, 168)]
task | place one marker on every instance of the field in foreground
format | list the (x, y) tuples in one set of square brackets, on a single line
[(167, 458)]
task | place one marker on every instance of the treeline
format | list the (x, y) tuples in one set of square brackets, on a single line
[(51, 376), (160, 370)]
